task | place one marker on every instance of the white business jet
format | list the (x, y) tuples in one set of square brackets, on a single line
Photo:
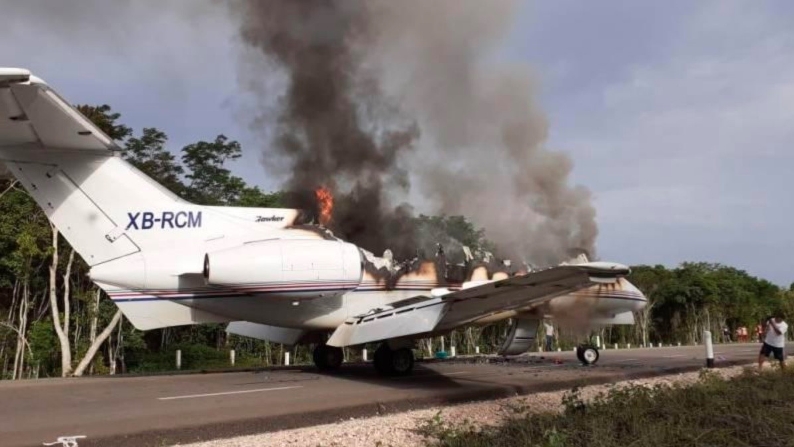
[(167, 262)]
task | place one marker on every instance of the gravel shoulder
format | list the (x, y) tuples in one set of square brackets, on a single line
[(400, 429)]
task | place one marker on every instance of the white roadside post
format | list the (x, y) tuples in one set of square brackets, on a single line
[(598, 341), (628, 346), (476, 349), (452, 349), (231, 357), (178, 359), (709, 349), (286, 359), (616, 346), (364, 354)]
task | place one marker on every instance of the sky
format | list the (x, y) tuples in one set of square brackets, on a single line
[(678, 115)]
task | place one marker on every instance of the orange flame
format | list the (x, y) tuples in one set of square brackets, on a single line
[(325, 201)]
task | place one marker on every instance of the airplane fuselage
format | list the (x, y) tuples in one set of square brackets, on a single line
[(307, 299)]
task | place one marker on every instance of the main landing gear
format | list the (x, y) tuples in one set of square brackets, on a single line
[(587, 354), (393, 362), (388, 361), (327, 358)]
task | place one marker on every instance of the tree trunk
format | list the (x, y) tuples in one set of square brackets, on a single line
[(14, 297), (120, 348), (111, 355), (429, 346), (94, 321), (89, 355), (10, 187), (19, 358), (63, 337), (67, 289)]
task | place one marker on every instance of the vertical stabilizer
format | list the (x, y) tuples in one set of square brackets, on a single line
[(71, 169)]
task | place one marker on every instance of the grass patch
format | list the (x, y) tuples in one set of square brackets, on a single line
[(751, 409)]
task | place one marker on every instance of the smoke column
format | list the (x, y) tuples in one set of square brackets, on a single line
[(333, 126), (384, 101)]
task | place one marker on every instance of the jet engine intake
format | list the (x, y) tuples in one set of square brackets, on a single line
[(292, 267)]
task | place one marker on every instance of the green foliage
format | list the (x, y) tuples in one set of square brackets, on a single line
[(209, 181), (148, 153), (696, 296), (750, 410), (42, 339), (24, 237), (103, 118), (254, 197)]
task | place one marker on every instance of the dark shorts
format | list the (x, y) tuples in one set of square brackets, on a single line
[(768, 349)]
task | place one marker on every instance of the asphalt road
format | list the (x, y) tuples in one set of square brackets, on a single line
[(162, 410)]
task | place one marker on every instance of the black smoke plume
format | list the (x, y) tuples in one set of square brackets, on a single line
[(386, 101), (334, 128)]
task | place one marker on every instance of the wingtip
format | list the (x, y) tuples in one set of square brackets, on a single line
[(12, 74), (607, 267)]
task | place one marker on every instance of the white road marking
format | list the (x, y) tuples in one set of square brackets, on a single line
[(260, 390)]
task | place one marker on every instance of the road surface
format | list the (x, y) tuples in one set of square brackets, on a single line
[(163, 410)]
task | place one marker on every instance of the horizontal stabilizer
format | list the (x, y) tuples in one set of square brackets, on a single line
[(275, 334)]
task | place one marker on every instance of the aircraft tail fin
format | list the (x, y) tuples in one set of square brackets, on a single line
[(72, 169), (577, 257)]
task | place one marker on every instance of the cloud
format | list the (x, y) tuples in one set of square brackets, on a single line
[(689, 147), (168, 64)]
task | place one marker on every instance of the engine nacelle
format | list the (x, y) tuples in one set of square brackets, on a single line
[(521, 336), (290, 268)]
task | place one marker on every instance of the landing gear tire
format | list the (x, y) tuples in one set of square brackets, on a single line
[(398, 362), (587, 354), (327, 358)]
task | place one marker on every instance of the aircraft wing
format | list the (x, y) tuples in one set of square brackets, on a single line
[(426, 314)]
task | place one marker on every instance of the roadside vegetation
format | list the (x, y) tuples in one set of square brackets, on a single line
[(55, 322), (751, 409)]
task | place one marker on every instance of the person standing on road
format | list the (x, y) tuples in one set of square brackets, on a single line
[(726, 334), (774, 341), (549, 336)]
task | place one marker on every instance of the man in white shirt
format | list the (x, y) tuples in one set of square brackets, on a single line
[(774, 341), (549, 336)]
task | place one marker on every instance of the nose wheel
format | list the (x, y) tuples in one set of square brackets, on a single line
[(587, 354)]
